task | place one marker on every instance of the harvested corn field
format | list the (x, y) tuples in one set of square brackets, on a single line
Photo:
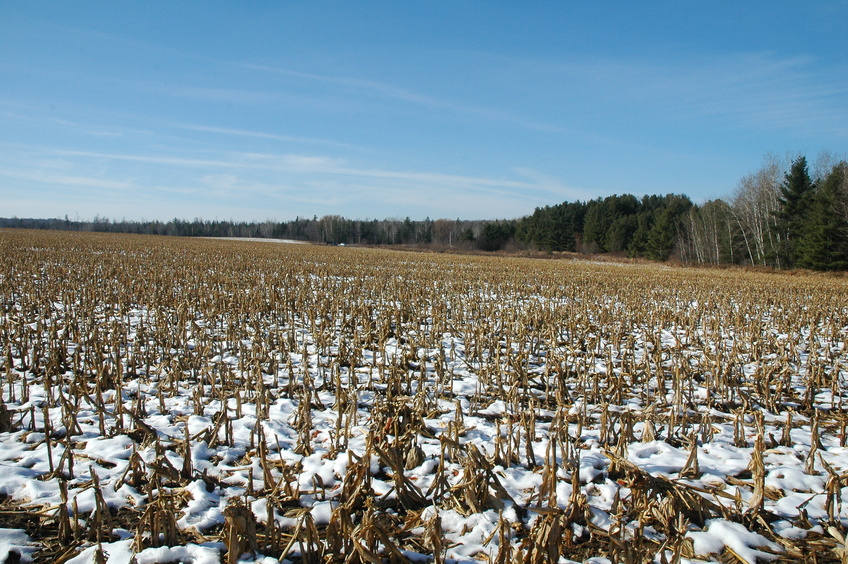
[(185, 400)]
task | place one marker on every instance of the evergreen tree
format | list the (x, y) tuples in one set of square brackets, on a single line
[(610, 223), (597, 222), (663, 234), (823, 244), (795, 196), (620, 233), (661, 237), (639, 241), (495, 235), (553, 228)]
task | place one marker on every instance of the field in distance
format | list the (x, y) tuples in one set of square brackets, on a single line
[(200, 400)]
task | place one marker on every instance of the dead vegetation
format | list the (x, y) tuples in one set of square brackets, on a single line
[(223, 370)]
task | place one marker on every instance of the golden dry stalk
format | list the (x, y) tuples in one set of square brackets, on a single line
[(473, 368)]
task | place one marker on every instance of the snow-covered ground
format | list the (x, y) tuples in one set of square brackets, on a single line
[(461, 409)]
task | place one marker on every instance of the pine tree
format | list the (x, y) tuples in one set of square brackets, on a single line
[(823, 244), (597, 222), (661, 237), (663, 234), (639, 242), (795, 197)]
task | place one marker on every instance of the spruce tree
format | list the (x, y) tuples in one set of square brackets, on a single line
[(823, 244), (795, 197), (639, 242), (661, 237), (663, 234)]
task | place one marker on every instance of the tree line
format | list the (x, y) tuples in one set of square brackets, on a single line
[(329, 229), (780, 216), (781, 219)]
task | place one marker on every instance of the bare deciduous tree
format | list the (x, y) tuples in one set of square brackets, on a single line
[(754, 205)]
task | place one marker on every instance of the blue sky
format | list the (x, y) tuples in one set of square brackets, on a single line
[(478, 110)]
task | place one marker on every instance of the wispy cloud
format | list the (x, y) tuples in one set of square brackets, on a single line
[(207, 93), (151, 159), (281, 181), (266, 135), (309, 164), (551, 185), (386, 90), (31, 115), (43, 177), (751, 89), (762, 90)]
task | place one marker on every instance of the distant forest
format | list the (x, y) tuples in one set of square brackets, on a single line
[(775, 218)]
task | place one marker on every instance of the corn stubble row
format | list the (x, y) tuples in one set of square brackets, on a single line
[(428, 381)]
